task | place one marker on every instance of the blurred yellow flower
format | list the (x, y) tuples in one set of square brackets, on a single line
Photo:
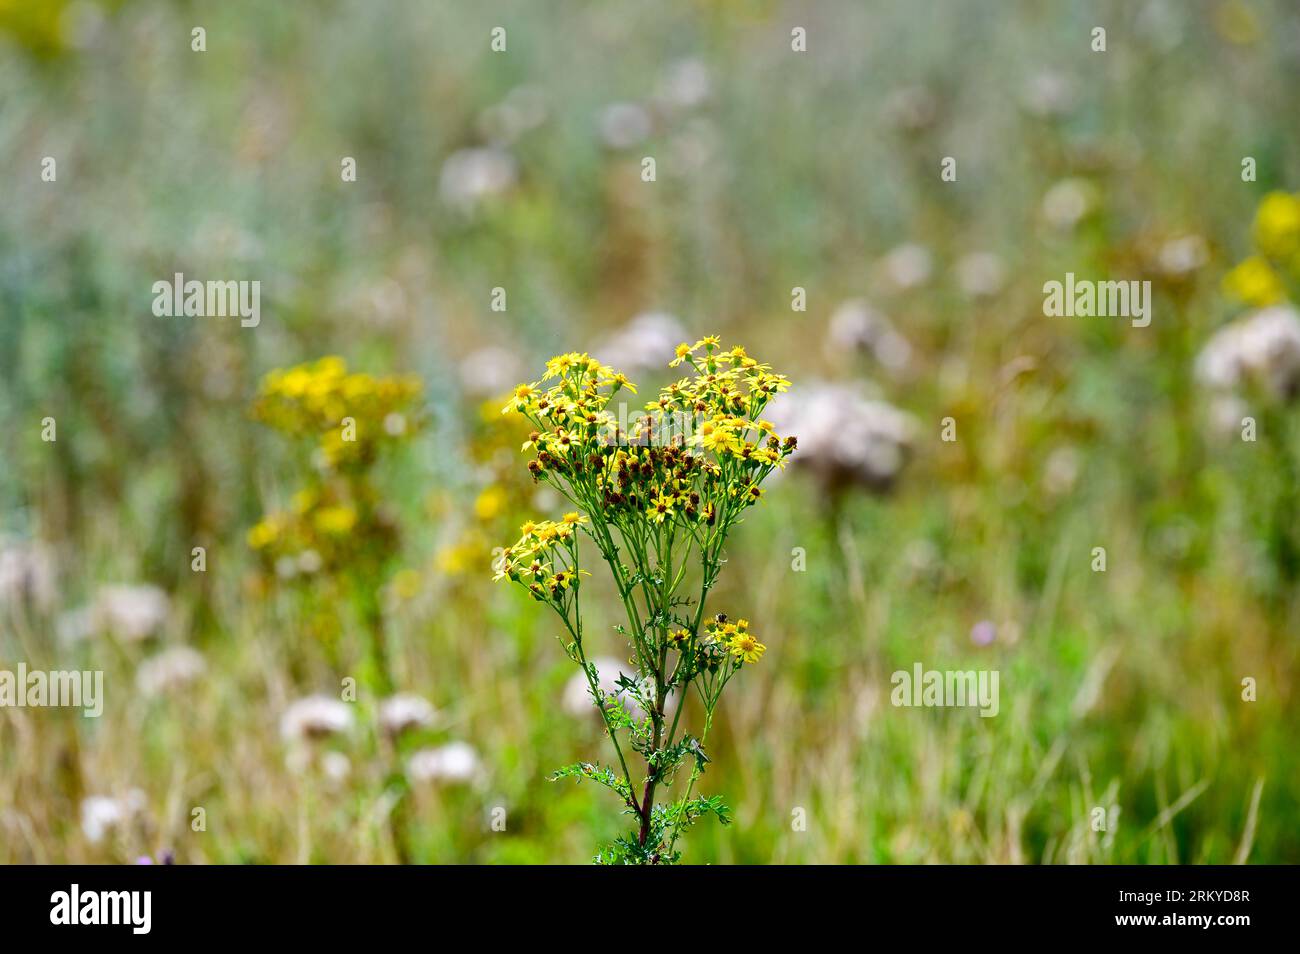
[(490, 502), (263, 534), (349, 414), (1254, 282), (1237, 23), (336, 521), (468, 553), (1277, 225)]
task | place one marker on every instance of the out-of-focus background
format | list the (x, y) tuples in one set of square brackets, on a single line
[(522, 171)]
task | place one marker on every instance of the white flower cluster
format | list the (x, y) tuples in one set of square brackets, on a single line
[(845, 438)]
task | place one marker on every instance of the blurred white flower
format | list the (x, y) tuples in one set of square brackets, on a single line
[(131, 613), (686, 85), (309, 562), (624, 125), (26, 574), (1048, 94), (980, 274), (1061, 471), (395, 424), (471, 175), (645, 343), (405, 711), (907, 266), (103, 814), (315, 717), (577, 700), (844, 437), (169, 670), (911, 109), (1226, 413), (455, 762), (1182, 256), (1263, 346), (523, 110), (490, 371), (1160, 24), (336, 766), (1067, 203), (855, 326)]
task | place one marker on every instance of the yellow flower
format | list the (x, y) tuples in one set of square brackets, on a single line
[(678, 638), (573, 518), (661, 508), (491, 502), (716, 436), (1277, 225), (1254, 282), (335, 521), (263, 534), (745, 647)]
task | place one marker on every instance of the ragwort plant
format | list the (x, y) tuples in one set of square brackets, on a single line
[(657, 497), (337, 529)]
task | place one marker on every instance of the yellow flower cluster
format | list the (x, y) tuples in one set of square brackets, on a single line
[(686, 465), (319, 531), (1261, 279), (701, 441), (543, 558), (349, 414), (335, 521), (735, 639)]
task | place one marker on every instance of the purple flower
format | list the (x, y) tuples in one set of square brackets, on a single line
[(983, 633)]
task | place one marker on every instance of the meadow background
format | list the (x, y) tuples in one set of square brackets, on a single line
[(1119, 689)]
